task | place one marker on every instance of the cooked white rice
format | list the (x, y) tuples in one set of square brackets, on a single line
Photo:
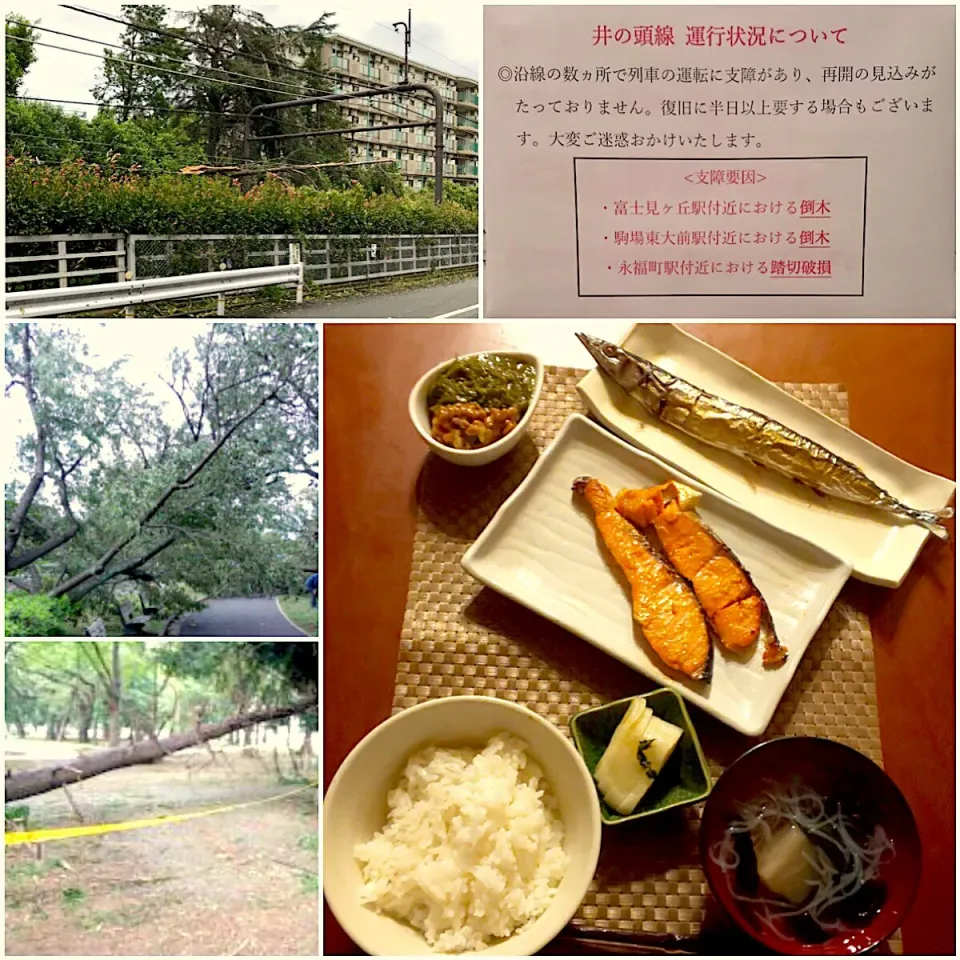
[(472, 850)]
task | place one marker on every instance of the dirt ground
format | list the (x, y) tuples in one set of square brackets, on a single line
[(244, 882)]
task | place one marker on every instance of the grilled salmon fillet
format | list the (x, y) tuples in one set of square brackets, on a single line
[(734, 606), (663, 603)]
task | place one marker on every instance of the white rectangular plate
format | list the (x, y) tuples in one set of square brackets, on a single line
[(542, 549), (879, 546)]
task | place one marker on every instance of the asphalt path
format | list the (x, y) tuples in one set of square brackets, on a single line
[(239, 617), (455, 301)]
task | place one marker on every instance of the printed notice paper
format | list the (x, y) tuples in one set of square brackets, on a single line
[(719, 161)]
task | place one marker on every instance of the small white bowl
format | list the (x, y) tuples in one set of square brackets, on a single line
[(355, 808), (482, 455)]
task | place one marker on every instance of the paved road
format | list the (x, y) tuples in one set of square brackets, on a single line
[(460, 299), (239, 617)]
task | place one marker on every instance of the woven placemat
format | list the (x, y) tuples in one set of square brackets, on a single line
[(461, 638)]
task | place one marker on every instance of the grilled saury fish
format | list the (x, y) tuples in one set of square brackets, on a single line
[(748, 434)]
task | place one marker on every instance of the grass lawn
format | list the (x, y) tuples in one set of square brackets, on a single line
[(298, 609)]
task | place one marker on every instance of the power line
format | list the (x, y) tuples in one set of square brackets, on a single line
[(106, 106), (150, 66), (116, 46), (185, 39), (92, 103), (107, 147), (198, 43), (425, 47)]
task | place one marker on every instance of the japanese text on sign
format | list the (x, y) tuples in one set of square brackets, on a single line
[(713, 36), (804, 100), (717, 227)]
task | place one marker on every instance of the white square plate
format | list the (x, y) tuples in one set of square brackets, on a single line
[(542, 549), (880, 547)]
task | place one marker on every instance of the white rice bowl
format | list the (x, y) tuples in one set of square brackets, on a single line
[(472, 851)]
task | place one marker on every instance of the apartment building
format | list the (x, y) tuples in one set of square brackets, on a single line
[(356, 66)]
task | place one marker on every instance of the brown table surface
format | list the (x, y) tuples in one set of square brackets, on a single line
[(901, 384)]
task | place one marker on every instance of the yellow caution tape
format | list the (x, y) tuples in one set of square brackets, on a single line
[(66, 833)]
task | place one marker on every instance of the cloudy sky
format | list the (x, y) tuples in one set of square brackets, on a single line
[(446, 35)]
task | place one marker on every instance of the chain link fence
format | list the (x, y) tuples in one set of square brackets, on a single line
[(327, 259), (35, 263), (63, 260)]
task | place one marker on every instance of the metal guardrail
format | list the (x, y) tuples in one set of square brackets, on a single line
[(104, 296)]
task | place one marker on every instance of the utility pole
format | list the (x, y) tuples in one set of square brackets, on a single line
[(407, 31)]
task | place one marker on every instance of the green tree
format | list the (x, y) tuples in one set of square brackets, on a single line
[(117, 495), (21, 54), (151, 145), (243, 42), (129, 84), (204, 690)]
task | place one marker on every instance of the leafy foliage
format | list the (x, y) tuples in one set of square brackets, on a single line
[(37, 616), (131, 89), (465, 195), (163, 686), (249, 401), (45, 133), (270, 57), (83, 198), (19, 38)]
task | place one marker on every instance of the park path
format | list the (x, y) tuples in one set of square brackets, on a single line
[(239, 617), (460, 299)]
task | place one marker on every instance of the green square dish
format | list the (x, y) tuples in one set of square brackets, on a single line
[(684, 780)]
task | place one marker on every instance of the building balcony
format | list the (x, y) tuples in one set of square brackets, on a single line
[(358, 69), (466, 97), (467, 170), (467, 146), (464, 123)]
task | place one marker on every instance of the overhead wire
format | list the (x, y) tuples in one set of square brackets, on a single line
[(186, 39), (153, 67), (417, 43), (407, 111), (98, 143), (116, 46), (103, 106), (198, 43), (138, 110), (150, 66)]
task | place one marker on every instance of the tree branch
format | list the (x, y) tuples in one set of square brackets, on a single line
[(97, 568), (128, 568), (15, 526), (57, 540)]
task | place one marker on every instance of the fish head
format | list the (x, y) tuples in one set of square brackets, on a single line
[(645, 381)]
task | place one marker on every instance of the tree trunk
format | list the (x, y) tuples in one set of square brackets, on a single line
[(21, 733), (248, 736), (29, 783), (113, 695)]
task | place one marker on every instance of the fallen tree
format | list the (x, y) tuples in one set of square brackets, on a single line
[(29, 783)]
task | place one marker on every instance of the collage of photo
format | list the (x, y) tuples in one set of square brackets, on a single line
[(571, 388)]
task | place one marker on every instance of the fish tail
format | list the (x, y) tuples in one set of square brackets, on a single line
[(929, 519)]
